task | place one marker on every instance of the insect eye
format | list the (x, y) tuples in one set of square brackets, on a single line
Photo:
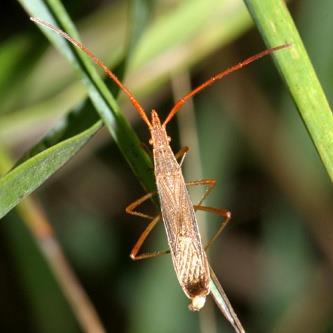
[(150, 141), (169, 139)]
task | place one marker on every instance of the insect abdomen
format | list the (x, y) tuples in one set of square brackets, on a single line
[(191, 267), (188, 256)]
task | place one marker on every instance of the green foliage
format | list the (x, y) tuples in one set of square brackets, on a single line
[(25, 178), (277, 27), (275, 257)]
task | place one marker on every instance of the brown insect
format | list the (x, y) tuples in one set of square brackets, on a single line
[(177, 211)]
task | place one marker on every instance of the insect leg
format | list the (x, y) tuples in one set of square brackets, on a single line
[(207, 182), (130, 209), (182, 153), (137, 246), (226, 214)]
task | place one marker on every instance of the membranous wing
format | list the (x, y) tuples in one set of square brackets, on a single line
[(187, 252)]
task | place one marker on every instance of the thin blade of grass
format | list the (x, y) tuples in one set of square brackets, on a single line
[(277, 27), (84, 115), (102, 99), (26, 177), (34, 171), (223, 303)]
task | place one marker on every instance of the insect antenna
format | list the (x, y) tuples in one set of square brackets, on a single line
[(99, 63), (219, 76)]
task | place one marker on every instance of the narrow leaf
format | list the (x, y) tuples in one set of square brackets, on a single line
[(52, 11), (25, 178), (277, 27), (39, 164)]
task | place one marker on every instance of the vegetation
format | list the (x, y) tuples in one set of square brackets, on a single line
[(65, 248)]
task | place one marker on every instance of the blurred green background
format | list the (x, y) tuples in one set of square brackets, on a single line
[(274, 259)]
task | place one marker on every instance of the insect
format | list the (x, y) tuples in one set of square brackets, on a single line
[(177, 211)]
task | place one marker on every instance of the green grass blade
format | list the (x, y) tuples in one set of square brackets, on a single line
[(277, 27), (25, 178), (103, 101), (223, 303), (75, 123), (84, 115), (40, 164)]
